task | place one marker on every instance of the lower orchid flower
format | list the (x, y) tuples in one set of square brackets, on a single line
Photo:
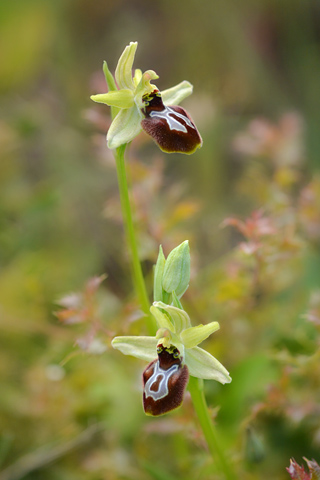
[(137, 104), (176, 346)]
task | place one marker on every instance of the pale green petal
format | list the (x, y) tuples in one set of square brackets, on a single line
[(124, 128), (202, 364), (123, 71), (145, 86), (137, 76), (140, 347), (175, 95), (118, 98), (191, 337), (162, 319), (179, 317)]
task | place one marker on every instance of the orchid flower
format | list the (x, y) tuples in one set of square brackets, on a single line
[(176, 344), (138, 105)]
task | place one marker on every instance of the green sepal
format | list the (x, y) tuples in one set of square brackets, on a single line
[(116, 98), (124, 128), (123, 71), (111, 86), (144, 348), (158, 273), (109, 77), (202, 364)]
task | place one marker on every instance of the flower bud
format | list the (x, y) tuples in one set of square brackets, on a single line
[(176, 274)]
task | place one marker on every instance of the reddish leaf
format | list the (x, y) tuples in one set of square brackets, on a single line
[(297, 472), (255, 226), (314, 469)]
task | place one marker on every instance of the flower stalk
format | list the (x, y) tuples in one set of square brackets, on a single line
[(195, 385), (136, 269), (195, 388), (137, 274)]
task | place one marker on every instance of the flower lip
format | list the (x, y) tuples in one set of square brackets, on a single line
[(171, 127), (164, 382)]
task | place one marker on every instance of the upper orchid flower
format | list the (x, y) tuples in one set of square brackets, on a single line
[(137, 104), (176, 344)]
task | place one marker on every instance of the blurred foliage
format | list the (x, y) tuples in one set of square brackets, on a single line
[(70, 405)]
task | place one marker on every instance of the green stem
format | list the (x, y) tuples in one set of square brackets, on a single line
[(138, 279), (200, 405), (195, 385)]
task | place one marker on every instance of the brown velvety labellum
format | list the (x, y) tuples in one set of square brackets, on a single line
[(170, 127), (164, 382)]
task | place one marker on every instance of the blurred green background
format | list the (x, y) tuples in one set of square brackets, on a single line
[(70, 406)]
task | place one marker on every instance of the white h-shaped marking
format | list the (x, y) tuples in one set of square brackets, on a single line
[(163, 390), (173, 123)]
